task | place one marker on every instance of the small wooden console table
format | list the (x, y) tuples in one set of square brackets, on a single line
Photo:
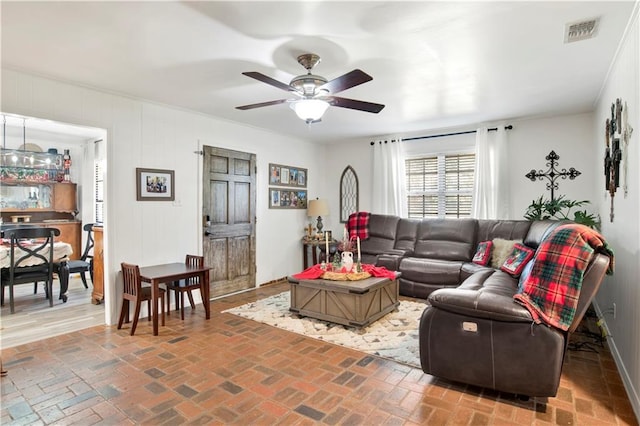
[(314, 246)]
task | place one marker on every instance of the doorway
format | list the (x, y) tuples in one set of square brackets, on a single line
[(229, 213), (48, 136)]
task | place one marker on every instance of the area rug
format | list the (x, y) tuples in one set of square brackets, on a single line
[(394, 336)]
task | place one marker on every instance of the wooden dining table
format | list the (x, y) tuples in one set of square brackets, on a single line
[(169, 272)]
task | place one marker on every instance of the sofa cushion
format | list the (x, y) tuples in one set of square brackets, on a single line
[(446, 273), (483, 253), (505, 229), (538, 230), (517, 260), (446, 239), (382, 234), (485, 294), (406, 235), (470, 268)]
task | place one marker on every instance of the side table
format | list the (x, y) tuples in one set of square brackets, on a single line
[(315, 246)]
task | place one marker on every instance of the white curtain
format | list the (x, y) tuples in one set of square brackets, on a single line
[(389, 188), (491, 189)]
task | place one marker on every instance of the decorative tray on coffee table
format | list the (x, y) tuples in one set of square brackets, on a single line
[(345, 276)]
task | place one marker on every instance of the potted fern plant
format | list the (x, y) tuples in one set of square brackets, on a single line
[(562, 209)]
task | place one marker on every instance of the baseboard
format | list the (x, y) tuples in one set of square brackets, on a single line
[(632, 393), (276, 281)]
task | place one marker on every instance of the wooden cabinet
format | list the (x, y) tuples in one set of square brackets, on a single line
[(64, 197), (70, 232), (31, 198), (98, 266)]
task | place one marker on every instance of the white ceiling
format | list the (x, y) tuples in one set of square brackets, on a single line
[(435, 65)]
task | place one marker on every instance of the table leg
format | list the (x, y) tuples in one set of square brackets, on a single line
[(206, 302), (305, 256), (155, 291)]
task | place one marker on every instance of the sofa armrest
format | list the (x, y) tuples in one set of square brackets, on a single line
[(399, 252), (389, 261)]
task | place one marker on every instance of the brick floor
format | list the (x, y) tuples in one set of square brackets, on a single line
[(230, 370)]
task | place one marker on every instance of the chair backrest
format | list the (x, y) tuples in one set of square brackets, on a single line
[(31, 248), (89, 244), (131, 279), (9, 226), (192, 260), (198, 262)]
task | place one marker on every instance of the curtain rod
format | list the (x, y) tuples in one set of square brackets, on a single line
[(493, 129)]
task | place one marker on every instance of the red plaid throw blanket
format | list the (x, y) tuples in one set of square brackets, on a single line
[(358, 225), (551, 291)]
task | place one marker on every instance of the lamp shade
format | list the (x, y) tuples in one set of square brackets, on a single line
[(317, 208), (310, 109)]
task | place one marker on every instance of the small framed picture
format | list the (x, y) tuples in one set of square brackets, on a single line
[(280, 198), (274, 174), (284, 176), (155, 185), (280, 175)]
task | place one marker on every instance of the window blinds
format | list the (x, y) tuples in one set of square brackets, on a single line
[(440, 186)]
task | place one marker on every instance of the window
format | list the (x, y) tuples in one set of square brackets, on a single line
[(440, 186), (99, 188)]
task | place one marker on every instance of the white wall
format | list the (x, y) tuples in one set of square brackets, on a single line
[(143, 134), (623, 288), (530, 141)]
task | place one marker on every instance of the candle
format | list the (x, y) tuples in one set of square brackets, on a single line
[(344, 234), (326, 242), (358, 240)]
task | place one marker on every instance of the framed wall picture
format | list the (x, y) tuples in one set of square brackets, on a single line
[(155, 185), (280, 198), (289, 176)]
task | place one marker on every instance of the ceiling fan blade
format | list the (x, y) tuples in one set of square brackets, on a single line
[(355, 104), (261, 104), (266, 79), (346, 81)]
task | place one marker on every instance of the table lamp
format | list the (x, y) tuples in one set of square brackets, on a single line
[(318, 208)]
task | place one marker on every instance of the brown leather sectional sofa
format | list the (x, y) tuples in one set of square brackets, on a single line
[(473, 331)]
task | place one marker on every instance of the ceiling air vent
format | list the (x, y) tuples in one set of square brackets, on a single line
[(581, 30)]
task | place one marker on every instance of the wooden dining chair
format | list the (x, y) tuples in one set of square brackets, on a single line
[(85, 263), (136, 293), (30, 260), (186, 286), (82, 265)]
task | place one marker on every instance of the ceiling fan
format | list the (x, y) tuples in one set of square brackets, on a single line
[(314, 93)]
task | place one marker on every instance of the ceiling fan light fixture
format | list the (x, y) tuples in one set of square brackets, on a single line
[(310, 109)]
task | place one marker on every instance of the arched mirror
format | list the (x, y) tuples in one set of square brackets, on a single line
[(348, 193)]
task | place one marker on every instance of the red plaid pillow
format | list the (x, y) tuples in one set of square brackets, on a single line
[(517, 260), (483, 253)]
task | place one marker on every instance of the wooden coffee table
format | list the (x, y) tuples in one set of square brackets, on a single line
[(351, 303)]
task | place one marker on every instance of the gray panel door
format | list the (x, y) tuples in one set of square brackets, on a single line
[(229, 202)]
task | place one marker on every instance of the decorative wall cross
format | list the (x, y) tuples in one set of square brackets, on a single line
[(616, 139), (552, 173)]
